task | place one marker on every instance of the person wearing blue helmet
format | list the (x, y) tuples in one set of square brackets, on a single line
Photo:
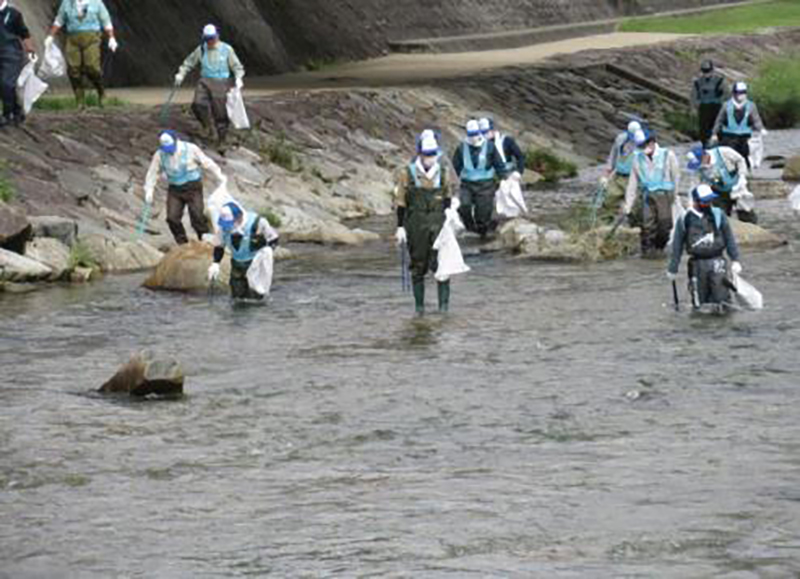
[(738, 121), (618, 171), (479, 167), (244, 233), (182, 164), (725, 171), (706, 235), (654, 181)]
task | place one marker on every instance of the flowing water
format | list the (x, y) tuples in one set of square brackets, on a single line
[(563, 421)]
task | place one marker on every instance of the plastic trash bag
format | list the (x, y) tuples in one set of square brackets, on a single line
[(451, 261), (745, 200), (259, 274), (216, 201), (746, 295), (794, 199), (509, 201), (30, 87), (678, 212), (53, 64), (756, 151), (236, 110)]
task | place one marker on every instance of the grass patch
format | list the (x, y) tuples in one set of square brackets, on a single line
[(737, 20), (776, 91), (281, 152), (315, 64), (551, 167), (272, 218), (7, 190), (67, 103), (81, 256), (685, 122)]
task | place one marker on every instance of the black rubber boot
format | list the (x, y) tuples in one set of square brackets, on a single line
[(419, 297), (444, 297)]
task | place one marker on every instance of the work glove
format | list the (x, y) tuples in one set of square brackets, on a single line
[(213, 272), (604, 181), (764, 132), (148, 197), (401, 237), (113, 44), (33, 57), (178, 79), (672, 276), (714, 141), (239, 83), (450, 214), (516, 176), (273, 243), (48, 42), (736, 268)]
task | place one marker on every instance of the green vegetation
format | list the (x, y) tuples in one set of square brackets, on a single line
[(7, 191), (737, 20), (315, 64), (551, 167), (684, 122), (81, 256), (67, 103), (272, 218), (282, 153), (776, 91)]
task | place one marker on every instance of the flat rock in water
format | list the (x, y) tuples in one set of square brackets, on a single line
[(18, 268), (791, 171), (52, 253), (61, 228), (185, 269), (754, 237), (147, 374), (15, 228)]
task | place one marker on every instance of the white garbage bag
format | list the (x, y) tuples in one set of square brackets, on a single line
[(745, 200), (216, 201), (509, 201), (53, 64), (678, 212), (29, 87), (236, 110), (451, 261), (259, 274), (746, 295), (756, 151), (794, 199)]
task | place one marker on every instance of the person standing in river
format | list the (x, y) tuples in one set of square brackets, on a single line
[(708, 95), (620, 164), (85, 22), (15, 42), (737, 121), (422, 196)]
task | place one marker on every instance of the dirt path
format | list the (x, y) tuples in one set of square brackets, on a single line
[(404, 69)]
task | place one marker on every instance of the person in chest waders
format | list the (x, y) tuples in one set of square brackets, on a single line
[(737, 121), (422, 195), (708, 94), (85, 21), (480, 168), (651, 189), (15, 41), (218, 63), (245, 234), (705, 234), (725, 171), (620, 165)]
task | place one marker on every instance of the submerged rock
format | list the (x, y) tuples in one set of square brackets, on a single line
[(18, 268), (147, 374)]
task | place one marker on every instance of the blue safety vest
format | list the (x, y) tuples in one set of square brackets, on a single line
[(216, 67), (480, 173), (412, 168), (245, 252), (726, 181), (653, 182), (95, 19), (179, 175), (624, 164), (734, 128)]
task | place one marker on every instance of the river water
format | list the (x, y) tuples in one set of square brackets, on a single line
[(563, 421)]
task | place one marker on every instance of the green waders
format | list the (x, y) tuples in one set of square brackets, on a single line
[(423, 222)]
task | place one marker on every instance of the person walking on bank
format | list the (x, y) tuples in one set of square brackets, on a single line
[(651, 190), (737, 121), (218, 63), (183, 164), (479, 166), (620, 164), (245, 234), (422, 196), (15, 42), (85, 21), (708, 95), (705, 234)]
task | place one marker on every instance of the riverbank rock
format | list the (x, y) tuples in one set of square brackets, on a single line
[(791, 171), (300, 227), (61, 228), (147, 374), (115, 255), (18, 268), (52, 253), (185, 269), (15, 229), (751, 236)]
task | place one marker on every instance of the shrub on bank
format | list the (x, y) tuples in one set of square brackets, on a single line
[(67, 103), (550, 166), (776, 91)]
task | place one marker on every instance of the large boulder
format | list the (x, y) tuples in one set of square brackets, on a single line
[(751, 236), (15, 229), (301, 227), (185, 269), (52, 253), (147, 374), (18, 268), (115, 255), (61, 228), (791, 171)]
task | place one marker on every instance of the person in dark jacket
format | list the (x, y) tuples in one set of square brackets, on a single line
[(15, 42), (737, 122), (512, 156), (708, 95), (705, 234), (480, 167)]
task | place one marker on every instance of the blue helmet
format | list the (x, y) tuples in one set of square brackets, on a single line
[(168, 142), (230, 213), (486, 125), (695, 157)]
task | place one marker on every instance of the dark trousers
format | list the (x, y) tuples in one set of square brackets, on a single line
[(477, 206), (655, 220), (178, 198), (240, 287), (11, 63), (707, 116), (424, 258), (724, 202), (739, 143), (708, 281), (210, 103)]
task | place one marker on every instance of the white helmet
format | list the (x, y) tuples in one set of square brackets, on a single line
[(473, 128), (428, 146), (740, 88), (210, 31), (634, 126)]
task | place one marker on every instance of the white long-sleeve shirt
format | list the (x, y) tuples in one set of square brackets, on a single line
[(672, 173), (196, 159)]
